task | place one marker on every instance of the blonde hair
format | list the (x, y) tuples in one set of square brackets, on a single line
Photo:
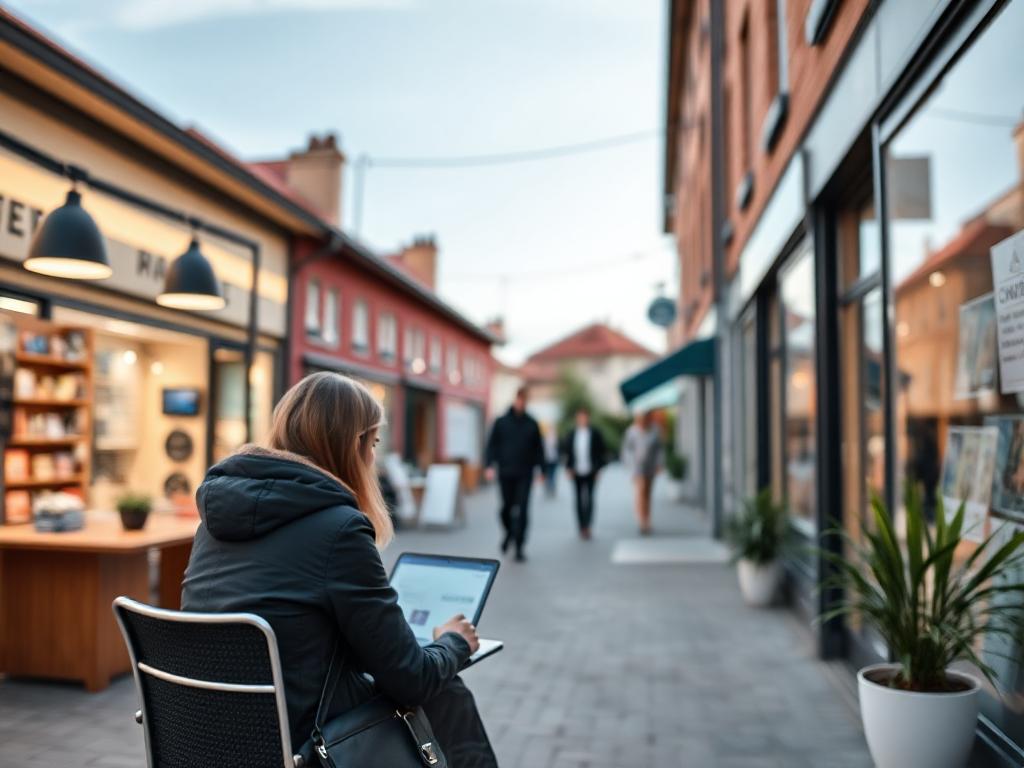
[(330, 420)]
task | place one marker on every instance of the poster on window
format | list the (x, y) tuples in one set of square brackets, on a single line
[(976, 355), (967, 476), (1008, 279), (1008, 480)]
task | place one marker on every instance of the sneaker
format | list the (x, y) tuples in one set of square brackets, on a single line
[(520, 557)]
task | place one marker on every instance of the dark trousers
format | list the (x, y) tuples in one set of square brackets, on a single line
[(585, 500), (459, 730), (515, 506)]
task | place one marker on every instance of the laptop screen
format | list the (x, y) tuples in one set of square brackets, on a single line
[(431, 589)]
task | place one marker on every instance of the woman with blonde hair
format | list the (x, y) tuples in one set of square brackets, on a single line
[(290, 531)]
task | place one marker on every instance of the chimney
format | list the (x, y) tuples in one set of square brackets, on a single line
[(420, 260), (496, 327), (315, 173)]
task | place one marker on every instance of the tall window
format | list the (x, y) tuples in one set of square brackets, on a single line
[(329, 332), (800, 450), (387, 336), (454, 375), (416, 358), (435, 356), (312, 308), (407, 345), (360, 327)]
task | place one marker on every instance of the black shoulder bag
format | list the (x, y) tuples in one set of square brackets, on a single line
[(377, 733)]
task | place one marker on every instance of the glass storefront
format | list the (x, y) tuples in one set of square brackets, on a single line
[(954, 175)]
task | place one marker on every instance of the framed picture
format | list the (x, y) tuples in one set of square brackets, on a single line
[(1008, 479), (967, 475), (976, 361)]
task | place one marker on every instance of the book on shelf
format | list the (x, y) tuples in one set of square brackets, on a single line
[(16, 465), (17, 507)]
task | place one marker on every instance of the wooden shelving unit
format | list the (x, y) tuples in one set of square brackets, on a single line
[(25, 407)]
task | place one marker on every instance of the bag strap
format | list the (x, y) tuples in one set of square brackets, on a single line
[(334, 670)]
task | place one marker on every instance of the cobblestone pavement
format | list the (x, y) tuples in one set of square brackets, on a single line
[(624, 666)]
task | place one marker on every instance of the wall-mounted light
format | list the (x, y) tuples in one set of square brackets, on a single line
[(156, 368), (129, 356), (937, 279), (69, 244), (419, 365), (191, 283)]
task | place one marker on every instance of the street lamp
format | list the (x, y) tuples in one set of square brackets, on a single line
[(69, 244)]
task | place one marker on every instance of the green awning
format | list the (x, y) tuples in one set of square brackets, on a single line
[(695, 359)]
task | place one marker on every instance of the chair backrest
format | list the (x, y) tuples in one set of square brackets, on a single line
[(210, 687)]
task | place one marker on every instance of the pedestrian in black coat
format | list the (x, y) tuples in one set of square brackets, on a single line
[(291, 533), (585, 456), (516, 447)]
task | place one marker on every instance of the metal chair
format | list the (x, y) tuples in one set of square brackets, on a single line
[(210, 688)]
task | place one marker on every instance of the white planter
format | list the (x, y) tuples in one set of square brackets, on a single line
[(905, 729), (759, 583)]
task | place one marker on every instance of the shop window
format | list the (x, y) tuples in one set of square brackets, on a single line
[(435, 356), (387, 336), (799, 390), (954, 175), (747, 369), (360, 327), (329, 330), (312, 308)]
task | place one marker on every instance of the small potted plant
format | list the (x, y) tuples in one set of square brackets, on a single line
[(757, 535), (134, 509), (932, 612)]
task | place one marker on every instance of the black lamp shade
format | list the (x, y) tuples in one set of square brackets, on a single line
[(191, 283), (69, 244)]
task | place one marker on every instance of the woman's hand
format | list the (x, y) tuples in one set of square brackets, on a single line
[(461, 626)]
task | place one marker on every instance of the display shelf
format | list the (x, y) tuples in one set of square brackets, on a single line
[(42, 402), (29, 359), (19, 331), (31, 441), (55, 482)]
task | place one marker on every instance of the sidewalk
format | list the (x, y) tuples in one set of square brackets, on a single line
[(606, 665)]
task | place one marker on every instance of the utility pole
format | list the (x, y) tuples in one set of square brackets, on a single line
[(359, 170)]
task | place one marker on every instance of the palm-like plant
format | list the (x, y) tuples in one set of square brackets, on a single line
[(930, 610), (758, 532)]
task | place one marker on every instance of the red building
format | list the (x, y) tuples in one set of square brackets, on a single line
[(379, 320)]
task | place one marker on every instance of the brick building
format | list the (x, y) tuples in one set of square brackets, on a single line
[(380, 320), (841, 179)]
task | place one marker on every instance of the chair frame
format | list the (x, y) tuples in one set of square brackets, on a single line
[(289, 760)]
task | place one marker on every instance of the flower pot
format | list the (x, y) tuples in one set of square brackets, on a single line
[(907, 729), (759, 582), (133, 518)]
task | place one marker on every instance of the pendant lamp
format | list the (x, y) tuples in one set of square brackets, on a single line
[(69, 244), (191, 283)]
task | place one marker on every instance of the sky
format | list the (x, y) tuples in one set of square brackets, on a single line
[(549, 245)]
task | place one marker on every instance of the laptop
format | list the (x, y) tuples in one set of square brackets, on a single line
[(433, 588)]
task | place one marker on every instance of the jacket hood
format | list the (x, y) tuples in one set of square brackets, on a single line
[(258, 490)]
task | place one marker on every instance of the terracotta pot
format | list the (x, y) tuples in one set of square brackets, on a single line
[(907, 729)]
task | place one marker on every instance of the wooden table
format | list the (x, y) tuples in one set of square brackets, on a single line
[(56, 590)]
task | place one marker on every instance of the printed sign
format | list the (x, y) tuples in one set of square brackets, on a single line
[(976, 357), (967, 476), (1008, 278)]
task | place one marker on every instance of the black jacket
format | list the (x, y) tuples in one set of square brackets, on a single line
[(515, 444), (598, 451), (284, 540)]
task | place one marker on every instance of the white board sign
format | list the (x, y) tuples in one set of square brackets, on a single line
[(400, 482), (441, 497), (1008, 279)]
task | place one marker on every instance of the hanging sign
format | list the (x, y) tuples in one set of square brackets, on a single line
[(1008, 279), (662, 312)]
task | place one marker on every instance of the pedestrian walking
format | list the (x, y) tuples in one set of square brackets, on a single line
[(585, 457), (641, 453), (515, 446), (552, 451)]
